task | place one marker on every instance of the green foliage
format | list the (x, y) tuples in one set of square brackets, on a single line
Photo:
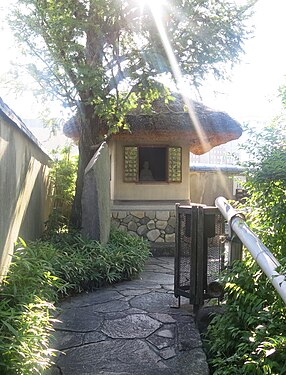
[(62, 177), (266, 185), (28, 294), (250, 337), (85, 264), (88, 52), (44, 271)]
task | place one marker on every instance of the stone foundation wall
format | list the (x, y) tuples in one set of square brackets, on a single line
[(155, 226)]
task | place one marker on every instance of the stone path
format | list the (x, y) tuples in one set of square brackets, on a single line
[(130, 328)]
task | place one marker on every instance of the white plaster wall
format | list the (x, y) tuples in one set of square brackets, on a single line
[(121, 190)]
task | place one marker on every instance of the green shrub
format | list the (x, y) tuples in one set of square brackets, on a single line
[(250, 337), (85, 264), (40, 274), (63, 179), (26, 304)]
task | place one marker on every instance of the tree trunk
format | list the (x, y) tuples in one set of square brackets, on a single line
[(89, 137)]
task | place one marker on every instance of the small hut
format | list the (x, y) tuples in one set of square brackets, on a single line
[(150, 164)]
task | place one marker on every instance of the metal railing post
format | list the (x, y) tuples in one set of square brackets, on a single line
[(235, 249), (266, 260)]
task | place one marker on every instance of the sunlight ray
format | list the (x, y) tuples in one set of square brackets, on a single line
[(157, 15), (223, 182)]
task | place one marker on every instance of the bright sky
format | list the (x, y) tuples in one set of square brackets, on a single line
[(252, 93)]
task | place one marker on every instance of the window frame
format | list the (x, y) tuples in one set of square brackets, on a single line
[(128, 178)]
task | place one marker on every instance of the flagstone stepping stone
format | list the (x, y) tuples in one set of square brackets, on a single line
[(130, 327), (134, 292), (137, 284), (102, 296), (79, 320), (66, 340), (163, 337), (154, 302), (166, 332), (160, 342), (111, 306), (122, 314), (160, 278), (164, 318), (92, 298), (167, 353), (113, 356), (93, 337)]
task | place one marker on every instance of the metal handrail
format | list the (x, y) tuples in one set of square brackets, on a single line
[(266, 260)]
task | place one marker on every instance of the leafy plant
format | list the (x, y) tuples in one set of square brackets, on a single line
[(26, 303), (250, 337), (62, 176), (44, 271), (86, 264)]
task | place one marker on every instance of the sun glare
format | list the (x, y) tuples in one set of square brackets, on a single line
[(156, 6)]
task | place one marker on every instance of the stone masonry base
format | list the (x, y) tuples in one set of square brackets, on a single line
[(157, 226)]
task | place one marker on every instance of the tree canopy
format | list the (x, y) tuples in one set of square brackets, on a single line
[(102, 57), (107, 53)]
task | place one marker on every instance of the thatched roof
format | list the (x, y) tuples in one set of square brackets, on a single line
[(203, 129)]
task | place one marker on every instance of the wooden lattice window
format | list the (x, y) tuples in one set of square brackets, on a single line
[(131, 164), (175, 164)]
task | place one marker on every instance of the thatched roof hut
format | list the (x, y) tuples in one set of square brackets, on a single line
[(202, 127)]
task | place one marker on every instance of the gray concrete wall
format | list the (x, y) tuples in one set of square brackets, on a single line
[(96, 212), (24, 202), (205, 187)]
